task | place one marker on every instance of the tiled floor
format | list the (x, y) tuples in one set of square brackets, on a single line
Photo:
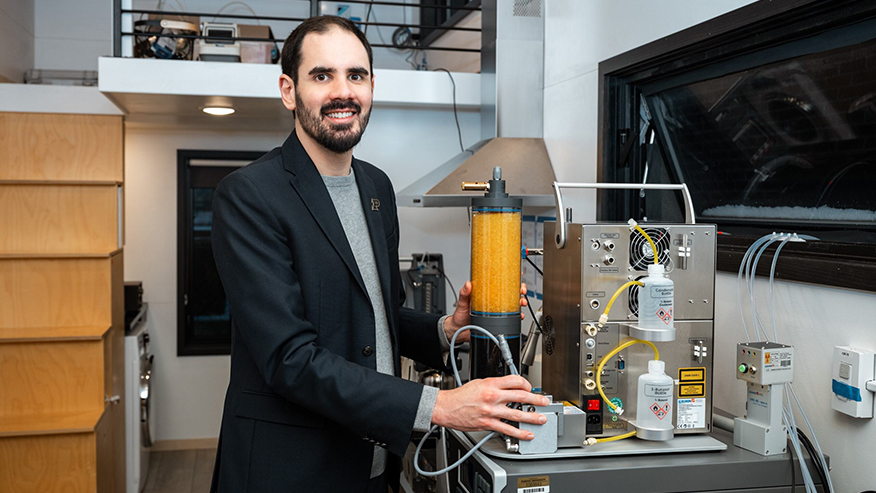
[(180, 471)]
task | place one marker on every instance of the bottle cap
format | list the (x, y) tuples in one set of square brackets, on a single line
[(656, 269), (656, 366)]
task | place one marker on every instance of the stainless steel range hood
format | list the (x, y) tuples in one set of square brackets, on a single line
[(512, 115)]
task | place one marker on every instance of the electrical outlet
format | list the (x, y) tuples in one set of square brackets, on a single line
[(852, 369)]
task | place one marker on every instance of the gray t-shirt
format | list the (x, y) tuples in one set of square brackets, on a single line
[(345, 196)]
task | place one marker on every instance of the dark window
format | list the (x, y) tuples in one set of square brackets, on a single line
[(433, 19), (768, 114), (792, 141), (204, 325)]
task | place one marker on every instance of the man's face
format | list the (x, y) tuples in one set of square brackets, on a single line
[(334, 90)]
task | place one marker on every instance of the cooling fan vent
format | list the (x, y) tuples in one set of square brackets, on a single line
[(550, 337), (633, 294), (641, 253)]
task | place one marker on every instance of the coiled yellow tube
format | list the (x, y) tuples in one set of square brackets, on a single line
[(608, 357), (604, 317)]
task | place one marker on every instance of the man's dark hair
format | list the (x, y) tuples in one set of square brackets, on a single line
[(291, 57)]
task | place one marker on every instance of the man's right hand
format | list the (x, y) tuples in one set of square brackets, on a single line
[(480, 405)]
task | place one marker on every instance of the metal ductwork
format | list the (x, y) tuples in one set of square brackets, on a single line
[(512, 115)]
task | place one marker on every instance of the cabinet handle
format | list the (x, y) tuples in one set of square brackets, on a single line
[(114, 399)]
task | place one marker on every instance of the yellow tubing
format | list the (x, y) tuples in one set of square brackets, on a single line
[(653, 246), (609, 356), (611, 301), (616, 437)]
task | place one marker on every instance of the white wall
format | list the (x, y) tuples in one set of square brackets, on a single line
[(814, 319), (581, 34), (16, 39), (189, 391), (71, 35)]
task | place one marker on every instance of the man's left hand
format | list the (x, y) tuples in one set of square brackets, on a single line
[(462, 316)]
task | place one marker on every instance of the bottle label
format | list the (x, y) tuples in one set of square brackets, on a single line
[(662, 291), (658, 390), (662, 298)]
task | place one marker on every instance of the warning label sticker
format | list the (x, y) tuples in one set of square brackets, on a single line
[(691, 374), (691, 413), (777, 361), (692, 390), (536, 484), (665, 315), (660, 411)]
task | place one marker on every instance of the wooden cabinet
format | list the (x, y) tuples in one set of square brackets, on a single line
[(62, 299)]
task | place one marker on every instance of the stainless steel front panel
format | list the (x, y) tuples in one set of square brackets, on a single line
[(578, 284), (623, 384), (694, 285)]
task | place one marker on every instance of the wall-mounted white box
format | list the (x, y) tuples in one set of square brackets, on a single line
[(852, 369)]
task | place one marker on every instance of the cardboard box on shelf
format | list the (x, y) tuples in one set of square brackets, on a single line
[(256, 51)]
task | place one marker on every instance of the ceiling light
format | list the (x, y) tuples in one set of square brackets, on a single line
[(218, 110)]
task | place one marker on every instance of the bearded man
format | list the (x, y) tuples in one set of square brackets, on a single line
[(306, 244)]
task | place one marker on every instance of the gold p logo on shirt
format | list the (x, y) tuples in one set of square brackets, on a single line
[(375, 204)]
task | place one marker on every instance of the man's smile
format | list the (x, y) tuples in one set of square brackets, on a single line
[(340, 117)]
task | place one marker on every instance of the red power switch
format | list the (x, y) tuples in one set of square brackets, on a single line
[(593, 404)]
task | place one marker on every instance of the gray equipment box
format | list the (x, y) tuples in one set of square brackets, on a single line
[(765, 363), (579, 281), (733, 470)]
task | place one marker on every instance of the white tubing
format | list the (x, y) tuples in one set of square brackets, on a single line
[(772, 303), (506, 353), (742, 265), (748, 266), (814, 438)]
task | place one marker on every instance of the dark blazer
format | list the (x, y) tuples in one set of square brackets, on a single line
[(305, 405)]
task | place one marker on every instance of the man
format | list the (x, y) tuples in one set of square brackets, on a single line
[(306, 243)]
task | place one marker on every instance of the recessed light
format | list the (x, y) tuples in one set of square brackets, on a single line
[(218, 110)]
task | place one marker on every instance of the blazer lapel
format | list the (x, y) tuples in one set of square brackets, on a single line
[(367, 193), (310, 186)]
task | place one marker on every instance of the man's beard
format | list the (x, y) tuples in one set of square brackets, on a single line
[(338, 138)]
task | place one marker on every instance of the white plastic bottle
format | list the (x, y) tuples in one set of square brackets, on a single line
[(656, 299), (654, 403)]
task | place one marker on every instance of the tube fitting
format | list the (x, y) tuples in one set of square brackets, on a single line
[(592, 330)]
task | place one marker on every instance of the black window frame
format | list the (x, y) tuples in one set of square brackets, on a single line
[(186, 345), (435, 20), (758, 26)]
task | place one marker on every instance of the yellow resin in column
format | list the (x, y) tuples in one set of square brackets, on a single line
[(495, 262)]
